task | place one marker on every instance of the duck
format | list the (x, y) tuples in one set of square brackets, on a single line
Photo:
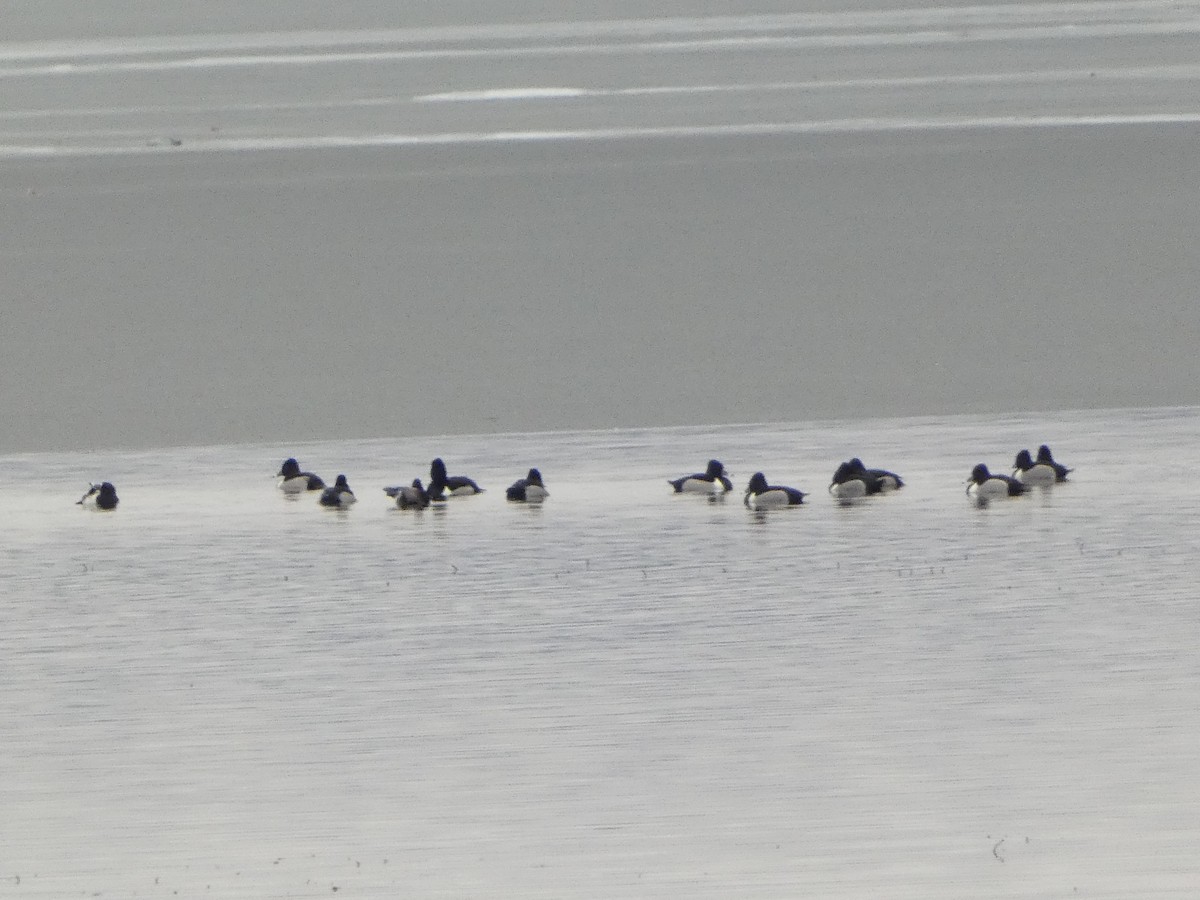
[(1046, 458), (339, 496), (853, 479), (760, 495), (101, 496), (529, 489), (714, 480), (409, 496), (294, 481), (988, 485), (1026, 471), (441, 485)]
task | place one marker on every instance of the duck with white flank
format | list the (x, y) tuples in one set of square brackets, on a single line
[(100, 496), (1046, 458), (441, 484), (853, 479), (714, 480), (1026, 471), (760, 495), (1043, 470), (339, 496), (986, 484), (294, 481), (409, 496), (529, 489)]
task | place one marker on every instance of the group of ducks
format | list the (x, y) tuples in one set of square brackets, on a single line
[(529, 489), (851, 480), (1027, 471)]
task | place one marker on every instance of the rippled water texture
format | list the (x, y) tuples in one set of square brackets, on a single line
[(217, 690)]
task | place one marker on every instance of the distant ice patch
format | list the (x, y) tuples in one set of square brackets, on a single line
[(530, 93)]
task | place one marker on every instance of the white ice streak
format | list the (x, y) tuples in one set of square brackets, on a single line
[(531, 93), (832, 126), (934, 25), (94, 59)]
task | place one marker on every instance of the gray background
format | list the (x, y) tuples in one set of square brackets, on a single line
[(756, 218)]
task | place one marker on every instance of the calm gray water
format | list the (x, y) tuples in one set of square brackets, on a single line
[(265, 220), (220, 691)]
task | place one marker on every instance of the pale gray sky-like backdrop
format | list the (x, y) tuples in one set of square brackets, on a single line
[(277, 222)]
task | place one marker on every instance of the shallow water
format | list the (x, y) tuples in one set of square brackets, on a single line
[(217, 689)]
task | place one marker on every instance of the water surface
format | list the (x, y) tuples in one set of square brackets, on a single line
[(217, 689), (237, 225)]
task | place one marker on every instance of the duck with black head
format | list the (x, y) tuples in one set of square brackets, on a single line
[(339, 496), (293, 481), (985, 485), (1026, 471), (713, 480), (530, 489), (100, 496), (1043, 470), (442, 485), (409, 496), (852, 479), (1046, 458), (761, 495)]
